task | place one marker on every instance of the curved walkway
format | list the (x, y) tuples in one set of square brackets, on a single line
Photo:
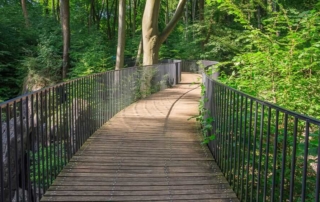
[(147, 152)]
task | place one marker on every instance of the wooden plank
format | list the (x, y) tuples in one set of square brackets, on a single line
[(134, 188), (64, 182), (137, 193), (230, 198)]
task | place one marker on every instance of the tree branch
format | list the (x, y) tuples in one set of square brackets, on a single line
[(170, 26)]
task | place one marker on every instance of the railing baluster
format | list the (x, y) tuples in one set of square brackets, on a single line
[(228, 130), (305, 162), (239, 147), (15, 135), (284, 150), (254, 150), (235, 144), (218, 117), (50, 140), (260, 151), (54, 115), (244, 147), (1, 159), (231, 136), (294, 159), (318, 170), (33, 134), (47, 144), (214, 115), (249, 148), (22, 166), (28, 177), (42, 142), (267, 155), (222, 126), (275, 146)]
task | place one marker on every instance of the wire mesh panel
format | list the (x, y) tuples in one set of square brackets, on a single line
[(267, 153), (41, 131)]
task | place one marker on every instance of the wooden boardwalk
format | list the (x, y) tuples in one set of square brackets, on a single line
[(147, 152)]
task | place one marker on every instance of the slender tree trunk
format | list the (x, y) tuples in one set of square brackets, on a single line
[(65, 22), (201, 19), (259, 17), (108, 21), (25, 12), (186, 21), (115, 17), (121, 34), (167, 16), (201, 10), (58, 10), (139, 54), (130, 18), (53, 8), (134, 17), (46, 10), (194, 2)]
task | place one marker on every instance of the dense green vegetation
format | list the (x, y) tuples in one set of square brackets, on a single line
[(269, 49)]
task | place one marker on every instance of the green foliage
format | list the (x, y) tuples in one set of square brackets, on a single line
[(43, 64), (204, 118), (13, 39), (91, 55), (46, 163), (280, 63)]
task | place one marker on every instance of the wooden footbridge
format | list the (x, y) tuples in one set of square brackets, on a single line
[(149, 151), (95, 139)]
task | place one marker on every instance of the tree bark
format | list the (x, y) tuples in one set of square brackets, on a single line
[(65, 23), (115, 18), (201, 10), (152, 39), (25, 12), (139, 54), (108, 21), (134, 17), (121, 34), (53, 8)]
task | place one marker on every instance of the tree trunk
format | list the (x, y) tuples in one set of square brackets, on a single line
[(201, 10), (108, 21), (25, 12), (65, 23), (131, 31), (134, 17), (115, 18), (53, 8), (58, 10), (139, 54), (121, 34), (152, 39)]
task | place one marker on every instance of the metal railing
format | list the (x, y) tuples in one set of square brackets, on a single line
[(41, 131), (267, 153)]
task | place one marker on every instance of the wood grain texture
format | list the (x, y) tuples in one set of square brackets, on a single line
[(149, 151)]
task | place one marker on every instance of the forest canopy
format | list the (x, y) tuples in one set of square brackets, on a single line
[(266, 48)]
